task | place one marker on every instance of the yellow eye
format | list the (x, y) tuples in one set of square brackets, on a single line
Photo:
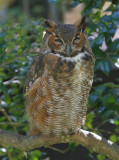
[(58, 41), (76, 40)]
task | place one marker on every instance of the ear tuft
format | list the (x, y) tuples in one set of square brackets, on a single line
[(81, 26), (49, 25)]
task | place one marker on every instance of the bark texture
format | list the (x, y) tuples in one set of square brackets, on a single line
[(87, 139)]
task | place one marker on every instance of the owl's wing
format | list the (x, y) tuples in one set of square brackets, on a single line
[(42, 63), (35, 70)]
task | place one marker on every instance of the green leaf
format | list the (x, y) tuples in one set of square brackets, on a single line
[(106, 18), (108, 100), (99, 40), (99, 53), (99, 90), (72, 146), (4, 89), (114, 45), (116, 123), (104, 66), (113, 138), (115, 15), (100, 157), (106, 114), (92, 98), (89, 120)]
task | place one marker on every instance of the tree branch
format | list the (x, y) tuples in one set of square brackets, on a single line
[(87, 139)]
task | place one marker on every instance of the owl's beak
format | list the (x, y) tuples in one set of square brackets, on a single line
[(68, 49)]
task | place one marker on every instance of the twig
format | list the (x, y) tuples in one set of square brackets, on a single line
[(58, 150), (12, 123), (8, 117), (101, 124), (7, 151)]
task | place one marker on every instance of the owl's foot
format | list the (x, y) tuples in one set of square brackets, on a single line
[(73, 132), (78, 131)]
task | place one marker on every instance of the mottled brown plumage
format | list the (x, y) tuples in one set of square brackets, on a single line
[(58, 81)]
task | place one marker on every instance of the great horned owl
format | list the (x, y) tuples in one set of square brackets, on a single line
[(59, 79)]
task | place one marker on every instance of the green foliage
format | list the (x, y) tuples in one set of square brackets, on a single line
[(17, 41), (20, 40), (103, 111), (100, 157), (4, 89)]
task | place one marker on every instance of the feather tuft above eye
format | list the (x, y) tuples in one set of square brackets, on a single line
[(49, 25), (81, 26)]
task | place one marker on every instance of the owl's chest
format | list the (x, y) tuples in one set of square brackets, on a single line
[(58, 98), (65, 80)]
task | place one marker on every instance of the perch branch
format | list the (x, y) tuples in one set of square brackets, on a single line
[(87, 139)]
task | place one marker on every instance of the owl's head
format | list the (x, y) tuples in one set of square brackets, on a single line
[(66, 39)]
